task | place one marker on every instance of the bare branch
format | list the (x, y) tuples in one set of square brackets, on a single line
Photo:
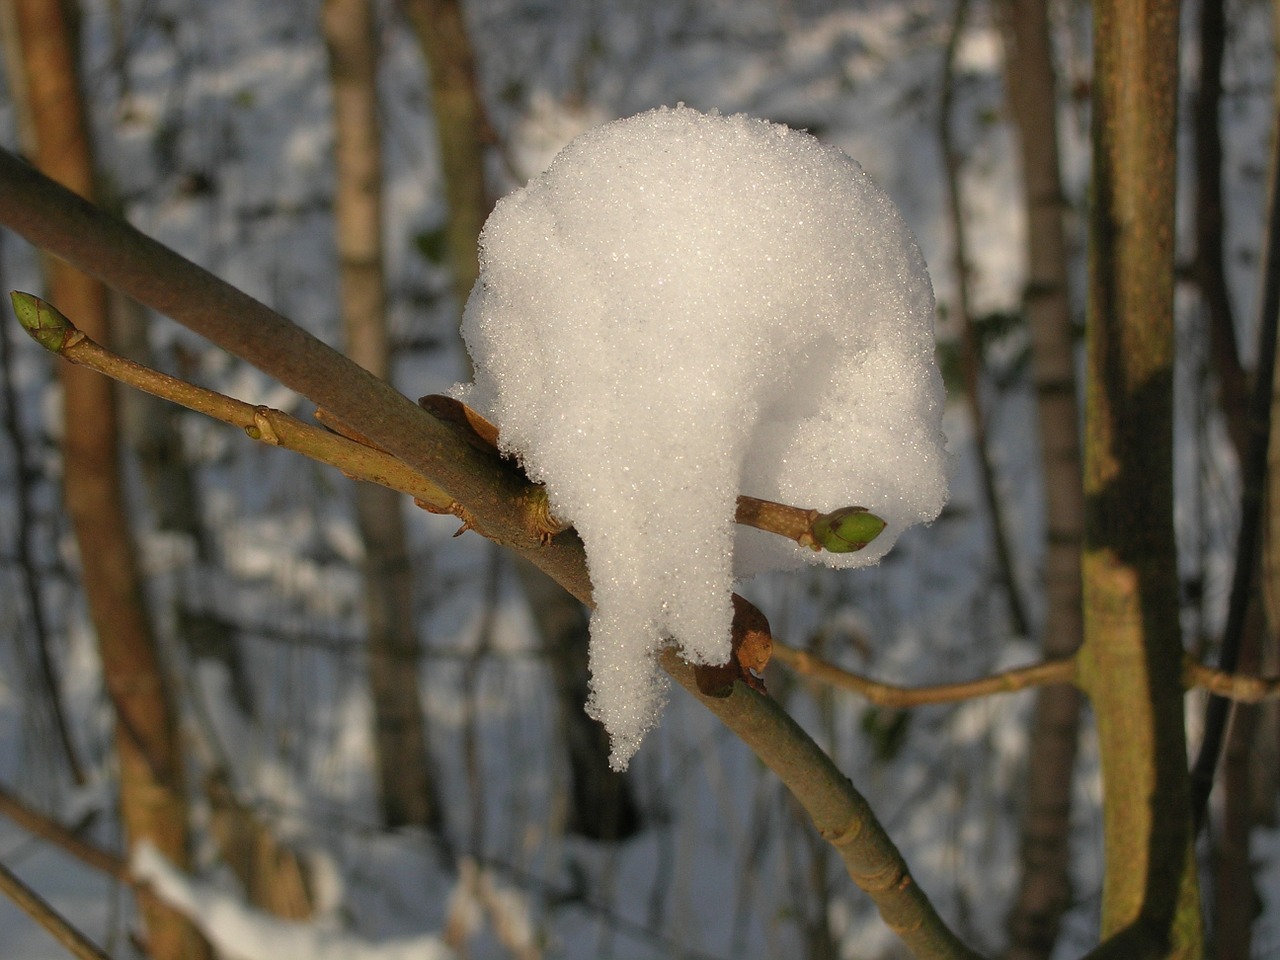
[(1230, 686), (36, 907), (50, 830), (890, 695), (57, 333)]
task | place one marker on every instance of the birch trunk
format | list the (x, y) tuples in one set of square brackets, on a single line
[(406, 787), (1045, 891)]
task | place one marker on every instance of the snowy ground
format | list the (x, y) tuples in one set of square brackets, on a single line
[(215, 135)]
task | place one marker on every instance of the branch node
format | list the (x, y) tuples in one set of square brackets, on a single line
[(262, 428)]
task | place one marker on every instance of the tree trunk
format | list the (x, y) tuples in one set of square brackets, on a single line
[(602, 804), (462, 126), (152, 788), (1045, 890), (971, 358), (406, 786), (1132, 657)]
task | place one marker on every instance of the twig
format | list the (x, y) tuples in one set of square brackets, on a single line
[(1230, 686), (843, 530), (36, 907), (971, 352), (56, 333), (839, 531), (50, 830), (890, 695)]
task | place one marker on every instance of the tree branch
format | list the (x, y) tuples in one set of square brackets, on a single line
[(1230, 686), (57, 333), (890, 695), (840, 531), (839, 812), (493, 493), (36, 907)]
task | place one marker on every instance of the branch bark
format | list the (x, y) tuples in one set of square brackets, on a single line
[(36, 907)]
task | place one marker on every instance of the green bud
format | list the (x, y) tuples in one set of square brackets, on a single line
[(47, 326), (847, 529)]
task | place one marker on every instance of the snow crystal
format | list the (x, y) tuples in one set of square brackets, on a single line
[(682, 308)]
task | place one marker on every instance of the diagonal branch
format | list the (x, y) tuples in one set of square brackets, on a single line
[(839, 531), (57, 333), (496, 497), (839, 812), (39, 909)]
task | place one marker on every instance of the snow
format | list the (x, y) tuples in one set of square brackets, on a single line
[(685, 307), (240, 933)]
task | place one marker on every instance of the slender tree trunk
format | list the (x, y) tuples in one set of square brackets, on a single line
[(1045, 890), (152, 788), (1271, 528), (602, 804), (1210, 259), (23, 535), (407, 788), (971, 359), (1132, 655), (1235, 897), (462, 127)]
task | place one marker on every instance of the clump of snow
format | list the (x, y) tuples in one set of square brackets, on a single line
[(685, 307)]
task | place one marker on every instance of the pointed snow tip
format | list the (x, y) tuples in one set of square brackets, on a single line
[(47, 326), (847, 529)]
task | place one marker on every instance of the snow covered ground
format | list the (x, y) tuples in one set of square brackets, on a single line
[(213, 129)]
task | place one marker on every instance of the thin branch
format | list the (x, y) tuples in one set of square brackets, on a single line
[(890, 695), (1230, 686), (36, 907), (843, 530), (1235, 687), (41, 825), (971, 358), (839, 531), (58, 334)]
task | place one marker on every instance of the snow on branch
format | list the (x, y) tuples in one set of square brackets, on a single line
[(688, 307)]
